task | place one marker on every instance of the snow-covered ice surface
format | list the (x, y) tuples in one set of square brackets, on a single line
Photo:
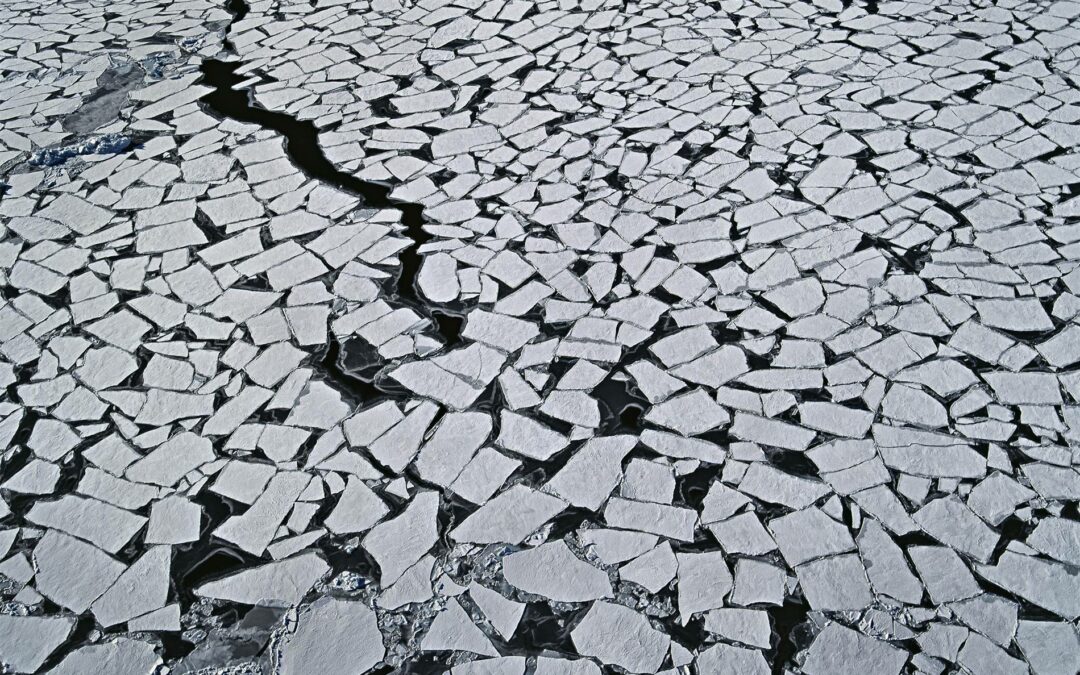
[(558, 337)]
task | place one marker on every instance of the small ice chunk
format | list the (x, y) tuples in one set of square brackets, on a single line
[(38, 477), (648, 481), (397, 447), (71, 572), (1024, 388), (509, 517), (668, 521), (980, 655), (886, 566), (282, 583), (689, 414), (616, 546), (952, 523), (914, 406), (809, 534), (101, 524), (243, 481), (769, 484), (996, 498), (438, 278), (652, 570), (498, 330), (455, 440), (547, 665), (680, 447), (575, 407), (254, 529), (1051, 648), (743, 534), (333, 637), (528, 437), (656, 384), (412, 586), (943, 641), (1049, 585), (943, 573), (771, 432), (483, 475), (173, 520), (748, 626), (26, 641), (502, 613), (924, 453), (142, 588), (723, 659), (502, 665), (618, 635), (838, 650), (172, 460), (1058, 538), (123, 656), (704, 582), (398, 543), (758, 582), (1016, 314), (991, 615), (592, 472), (453, 629), (465, 140), (357, 510), (835, 419), (836, 583), (553, 571)]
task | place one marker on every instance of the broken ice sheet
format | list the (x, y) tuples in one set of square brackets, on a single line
[(483, 328)]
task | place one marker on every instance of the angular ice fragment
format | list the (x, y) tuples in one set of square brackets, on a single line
[(552, 571), (333, 636)]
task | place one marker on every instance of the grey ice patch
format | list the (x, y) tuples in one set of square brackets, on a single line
[(103, 106)]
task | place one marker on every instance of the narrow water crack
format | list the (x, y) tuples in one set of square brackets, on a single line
[(302, 147), (301, 144)]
